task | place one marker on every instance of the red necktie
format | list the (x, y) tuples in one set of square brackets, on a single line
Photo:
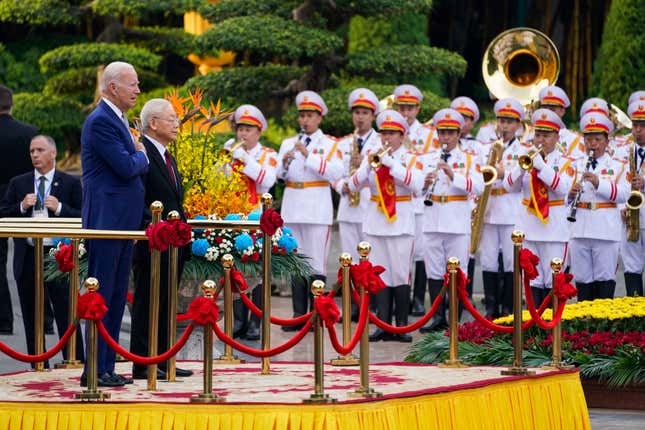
[(171, 171)]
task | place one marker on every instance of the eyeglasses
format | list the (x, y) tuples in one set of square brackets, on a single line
[(175, 121)]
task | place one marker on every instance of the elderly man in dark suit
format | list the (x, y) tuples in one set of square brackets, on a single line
[(14, 145), (162, 183), (114, 163), (41, 192)]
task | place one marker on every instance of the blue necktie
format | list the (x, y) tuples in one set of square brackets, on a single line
[(40, 199)]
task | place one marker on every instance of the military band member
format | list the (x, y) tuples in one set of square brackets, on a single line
[(633, 253), (554, 98), (389, 221), (308, 163), (363, 105), (450, 177), (422, 138), (501, 213), (595, 235), (259, 166), (544, 191), (600, 106)]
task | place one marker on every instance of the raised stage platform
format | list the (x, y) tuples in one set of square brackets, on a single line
[(414, 397)]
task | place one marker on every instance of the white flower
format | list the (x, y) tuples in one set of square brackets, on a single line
[(53, 251), (81, 250), (211, 254)]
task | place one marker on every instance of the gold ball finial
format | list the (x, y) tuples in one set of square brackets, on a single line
[(364, 248), (556, 265), (453, 263), (91, 284), (173, 215), (156, 206), (517, 236), (345, 259), (317, 288), (227, 261), (208, 288), (267, 200)]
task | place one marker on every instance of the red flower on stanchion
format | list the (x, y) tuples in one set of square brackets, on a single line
[(528, 263), (270, 221), (179, 232), (64, 258), (203, 310), (367, 275), (562, 287), (327, 310), (158, 236), (237, 280), (91, 306)]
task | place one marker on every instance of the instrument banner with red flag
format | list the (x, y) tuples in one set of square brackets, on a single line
[(250, 183), (386, 193), (539, 197)]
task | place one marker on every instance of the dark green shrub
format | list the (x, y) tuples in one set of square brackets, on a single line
[(162, 40), (224, 9), (143, 7)]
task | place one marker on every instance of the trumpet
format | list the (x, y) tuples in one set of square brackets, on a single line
[(427, 200), (301, 133), (526, 161), (375, 158), (576, 200), (233, 148)]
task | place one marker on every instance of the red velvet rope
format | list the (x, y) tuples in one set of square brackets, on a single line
[(261, 352), (26, 358), (408, 328), (274, 320), (362, 321), (138, 359)]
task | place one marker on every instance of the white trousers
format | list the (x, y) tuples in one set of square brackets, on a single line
[(439, 247), (633, 253), (395, 254), (419, 237), (593, 259), (351, 233), (546, 251), (496, 238), (313, 241)]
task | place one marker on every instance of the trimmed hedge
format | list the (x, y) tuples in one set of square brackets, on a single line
[(94, 54), (224, 9), (162, 40), (383, 7), (265, 37), (619, 67), (144, 7), (39, 12)]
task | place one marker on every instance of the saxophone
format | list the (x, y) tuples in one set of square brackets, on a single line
[(489, 172), (354, 196), (634, 203)]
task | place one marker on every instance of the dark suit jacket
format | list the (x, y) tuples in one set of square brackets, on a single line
[(112, 173), (66, 188), (15, 137)]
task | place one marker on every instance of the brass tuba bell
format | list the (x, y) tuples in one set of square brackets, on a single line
[(518, 63)]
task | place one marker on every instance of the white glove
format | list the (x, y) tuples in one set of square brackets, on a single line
[(239, 154), (387, 160), (538, 162)]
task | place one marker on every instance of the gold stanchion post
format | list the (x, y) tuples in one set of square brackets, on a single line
[(228, 357), (153, 309), (267, 202), (345, 261), (39, 302), (318, 396), (518, 368), (556, 360), (173, 283), (364, 249), (72, 362), (453, 361), (208, 287), (92, 392)]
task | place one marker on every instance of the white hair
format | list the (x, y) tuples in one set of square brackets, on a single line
[(112, 73), (153, 107)]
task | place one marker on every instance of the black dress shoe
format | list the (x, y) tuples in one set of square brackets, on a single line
[(380, 334), (403, 337), (143, 373), (182, 373), (121, 378), (434, 326), (417, 309), (104, 380), (291, 327), (253, 332), (6, 329)]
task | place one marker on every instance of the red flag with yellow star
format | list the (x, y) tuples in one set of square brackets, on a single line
[(539, 197), (386, 193)]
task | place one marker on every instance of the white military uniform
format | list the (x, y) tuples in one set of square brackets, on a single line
[(306, 204), (633, 253), (350, 218), (392, 242), (260, 164)]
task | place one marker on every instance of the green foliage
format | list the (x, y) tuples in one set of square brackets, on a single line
[(94, 54), (376, 31), (40, 12), (626, 367), (383, 7), (620, 64), (265, 37), (158, 93), (405, 62), (59, 117), (246, 84), (224, 9), (338, 121), (81, 83), (144, 7), (162, 40), (276, 133)]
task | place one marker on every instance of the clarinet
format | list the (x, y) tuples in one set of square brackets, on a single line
[(576, 199), (428, 197), (301, 133)]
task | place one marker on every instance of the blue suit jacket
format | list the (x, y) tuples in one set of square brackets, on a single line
[(113, 192)]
